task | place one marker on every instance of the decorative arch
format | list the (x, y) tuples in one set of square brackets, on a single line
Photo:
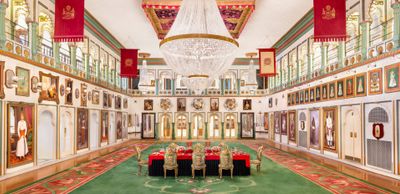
[(378, 115), (302, 117)]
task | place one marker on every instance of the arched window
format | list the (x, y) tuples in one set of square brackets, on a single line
[(317, 59), (230, 126), (79, 60), (21, 27), (214, 126), (181, 126), (47, 44), (230, 80), (198, 126), (65, 53)]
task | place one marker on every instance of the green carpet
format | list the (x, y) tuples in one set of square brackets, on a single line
[(272, 179)]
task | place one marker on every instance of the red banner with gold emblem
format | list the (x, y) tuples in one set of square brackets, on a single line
[(329, 20), (267, 60), (129, 62), (69, 20)]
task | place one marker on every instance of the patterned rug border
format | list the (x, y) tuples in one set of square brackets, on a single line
[(54, 176), (362, 182)]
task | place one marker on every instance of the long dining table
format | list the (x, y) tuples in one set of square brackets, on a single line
[(241, 163)]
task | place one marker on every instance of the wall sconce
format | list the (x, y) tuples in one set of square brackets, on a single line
[(39, 86), (11, 79)]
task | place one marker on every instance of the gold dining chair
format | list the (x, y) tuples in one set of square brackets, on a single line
[(141, 163), (170, 161), (257, 162), (225, 161), (198, 160)]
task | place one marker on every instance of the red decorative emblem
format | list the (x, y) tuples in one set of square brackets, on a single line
[(377, 130)]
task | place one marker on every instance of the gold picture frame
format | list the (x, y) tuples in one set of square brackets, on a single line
[(360, 84), (392, 78), (69, 96), (84, 95), (330, 129), (349, 87), (95, 97), (2, 94), (23, 82), (375, 82), (29, 134), (49, 87)]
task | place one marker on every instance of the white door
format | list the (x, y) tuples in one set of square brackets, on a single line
[(348, 128), (46, 137), (94, 130), (66, 133)]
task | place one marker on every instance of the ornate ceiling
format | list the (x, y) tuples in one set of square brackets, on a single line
[(162, 14)]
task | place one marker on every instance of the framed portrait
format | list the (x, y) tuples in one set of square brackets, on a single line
[(340, 88), (324, 89), (118, 102), (294, 102), (23, 81), (330, 129), (277, 123), (69, 96), (89, 96), (247, 104), (266, 122), (297, 97), (20, 134), (314, 129), (332, 90), (302, 97), (214, 104), (392, 78), (49, 87), (350, 87), (289, 99), (375, 82), (292, 126), (181, 104), (318, 93), (306, 96), (247, 125), (95, 97), (312, 94), (148, 105), (110, 100), (118, 123), (105, 123), (360, 84), (148, 125), (2, 95), (284, 123), (82, 136), (105, 100), (84, 95), (77, 94), (130, 120), (125, 103)]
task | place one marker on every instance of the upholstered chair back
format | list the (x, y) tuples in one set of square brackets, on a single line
[(170, 158), (226, 158)]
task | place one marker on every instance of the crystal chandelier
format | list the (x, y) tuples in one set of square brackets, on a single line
[(251, 84), (144, 85), (198, 46)]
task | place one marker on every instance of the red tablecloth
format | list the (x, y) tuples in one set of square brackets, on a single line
[(209, 156)]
